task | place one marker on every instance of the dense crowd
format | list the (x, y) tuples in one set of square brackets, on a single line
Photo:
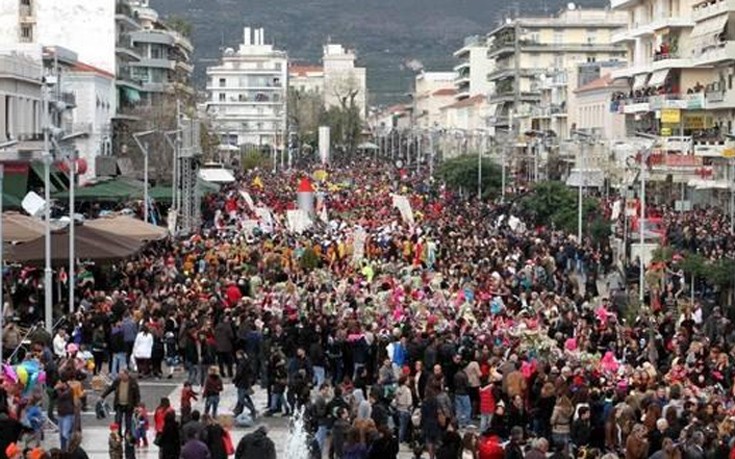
[(465, 334)]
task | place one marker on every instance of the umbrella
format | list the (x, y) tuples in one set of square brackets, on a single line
[(89, 244), (123, 225)]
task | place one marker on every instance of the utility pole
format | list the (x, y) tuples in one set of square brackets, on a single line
[(72, 252), (47, 280)]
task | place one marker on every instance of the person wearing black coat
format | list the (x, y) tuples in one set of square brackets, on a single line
[(169, 443), (256, 444), (384, 446), (213, 436)]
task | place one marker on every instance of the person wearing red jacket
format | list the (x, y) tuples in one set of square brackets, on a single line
[(490, 447), (233, 294), (160, 414)]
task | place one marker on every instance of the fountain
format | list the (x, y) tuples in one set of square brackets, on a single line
[(297, 443)]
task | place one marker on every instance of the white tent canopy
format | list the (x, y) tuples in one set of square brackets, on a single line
[(216, 175)]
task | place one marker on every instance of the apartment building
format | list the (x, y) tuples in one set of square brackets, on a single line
[(164, 69), (524, 48), (247, 93), (680, 85), (474, 65)]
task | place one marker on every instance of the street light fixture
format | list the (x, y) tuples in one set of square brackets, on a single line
[(582, 182), (144, 149)]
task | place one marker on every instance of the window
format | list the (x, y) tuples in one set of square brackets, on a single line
[(535, 37), (591, 59), (222, 97), (26, 34), (222, 82), (558, 37), (278, 66)]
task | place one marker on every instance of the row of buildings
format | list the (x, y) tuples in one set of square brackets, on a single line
[(248, 91), (111, 62), (663, 68)]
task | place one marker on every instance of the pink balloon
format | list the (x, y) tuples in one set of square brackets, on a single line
[(9, 372), (42, 377)]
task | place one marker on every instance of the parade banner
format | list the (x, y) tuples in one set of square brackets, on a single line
[(265, 219), (401, 202), (248, 200)]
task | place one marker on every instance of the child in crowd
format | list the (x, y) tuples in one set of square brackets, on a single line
[(212, 389), (115, 442), (487, 404), (141, 425), (187, 395)]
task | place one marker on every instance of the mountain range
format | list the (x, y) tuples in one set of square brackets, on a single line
[(392, 37)]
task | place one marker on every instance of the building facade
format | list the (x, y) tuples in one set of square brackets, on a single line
[(247, 93), (680, 88), (344, 82), (524, 48), (473, 68), (164, 69)]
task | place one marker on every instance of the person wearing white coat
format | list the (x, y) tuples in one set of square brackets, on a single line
[(142, 350)]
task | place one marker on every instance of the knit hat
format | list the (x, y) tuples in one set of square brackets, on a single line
[(12, 451)]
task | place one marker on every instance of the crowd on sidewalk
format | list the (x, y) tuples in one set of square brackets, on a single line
[(456, 333)]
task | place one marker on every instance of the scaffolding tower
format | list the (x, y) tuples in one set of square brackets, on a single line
[(187, 194)]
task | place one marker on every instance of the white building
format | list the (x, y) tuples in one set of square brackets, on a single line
[(20, 96), (471, 72), (343, 81), (338, 80), (247, 92), (87, 27)]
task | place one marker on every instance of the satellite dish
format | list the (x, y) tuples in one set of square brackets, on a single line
[(229, 52), (571, 6)]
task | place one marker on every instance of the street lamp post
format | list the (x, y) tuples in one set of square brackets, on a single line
[(72, 185), (582, 181), (47, 278), (144, 149), (642, 223)]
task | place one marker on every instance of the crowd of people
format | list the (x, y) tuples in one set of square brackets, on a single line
[(455, 332)]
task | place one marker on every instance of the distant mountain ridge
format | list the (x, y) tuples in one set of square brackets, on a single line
[(386, 33)]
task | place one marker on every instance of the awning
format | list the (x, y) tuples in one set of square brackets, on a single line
[(164, 193), (592, 178), (216, 175), (658, 78), (712, 26), (367, 146), (129, 227), (15, 184), (59, 179), (703, 184), (639, 81), (117, 189)]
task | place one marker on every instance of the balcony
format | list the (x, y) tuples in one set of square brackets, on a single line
[(716, 53), (462, 66), (462, 78), (508, 95), (501, 47), (20, 67), (155, 63), (124, 14), (501, 72), (707, 10), (124, 47), (720, 99)]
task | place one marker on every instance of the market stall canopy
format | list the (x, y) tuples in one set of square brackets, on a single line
[(117, 189), (131, 227), (164, 193), (89, 244), (20, 228)]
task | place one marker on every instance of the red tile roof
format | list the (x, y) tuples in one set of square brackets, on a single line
[(82, 67), (303, 70), (600, 83)]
